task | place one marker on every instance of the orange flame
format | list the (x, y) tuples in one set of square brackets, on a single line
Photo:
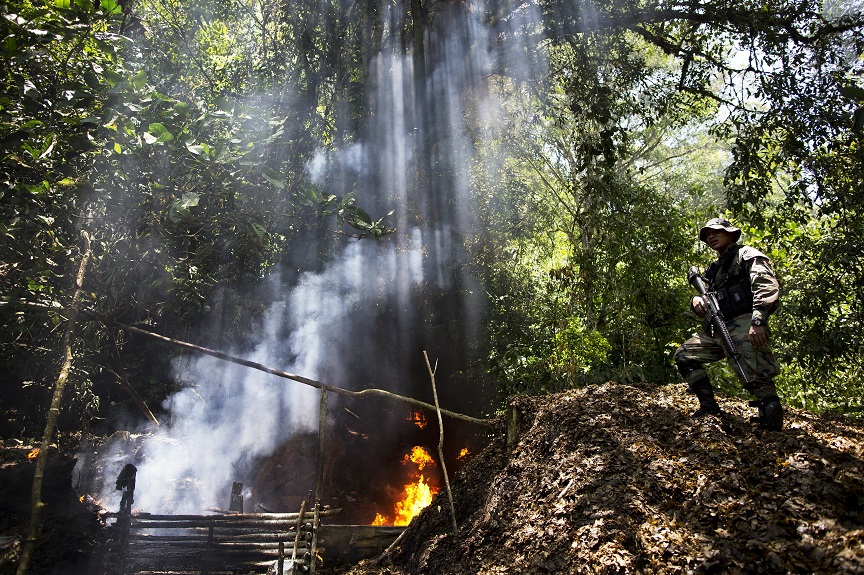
[(464, 453), (33, 454), (417, 419), (418, 456), (416, 495)]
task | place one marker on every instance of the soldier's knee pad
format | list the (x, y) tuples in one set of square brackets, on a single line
[(687, 366)]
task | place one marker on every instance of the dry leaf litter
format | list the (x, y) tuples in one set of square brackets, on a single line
[(618, 479)]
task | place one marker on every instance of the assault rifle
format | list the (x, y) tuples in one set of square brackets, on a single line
[(715, 318)]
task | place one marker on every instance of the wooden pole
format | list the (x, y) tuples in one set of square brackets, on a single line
[(316, 528), (369, 392), (322, 442), (53, 412), (209, 553), (441, 443), (280, 561), (297, 537), (514, 420), (384, 556)]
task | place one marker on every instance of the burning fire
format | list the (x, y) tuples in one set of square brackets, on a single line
[(464, 453), (418, 419), (418, 456), (33, 454), (379, 520), (416, 495)]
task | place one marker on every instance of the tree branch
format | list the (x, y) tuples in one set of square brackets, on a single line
[(369, 392), (29, 545)]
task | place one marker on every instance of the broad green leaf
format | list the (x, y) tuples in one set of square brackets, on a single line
[(273, 178), (189, 199), (259, 231), (358, 218), (110, 7), (157, 129), (139, 80), (113, 77), (160, 132)]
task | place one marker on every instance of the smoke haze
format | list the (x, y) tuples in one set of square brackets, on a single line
[(365, 320)]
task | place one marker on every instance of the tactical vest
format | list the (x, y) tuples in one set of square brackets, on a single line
[(731, 282)]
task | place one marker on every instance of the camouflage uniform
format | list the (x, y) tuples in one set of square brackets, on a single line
[(737, 264)]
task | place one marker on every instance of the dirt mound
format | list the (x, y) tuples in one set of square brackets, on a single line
[(619, 479)]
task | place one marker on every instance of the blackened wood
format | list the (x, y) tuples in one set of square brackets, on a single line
[(236, 503), (316, 527)]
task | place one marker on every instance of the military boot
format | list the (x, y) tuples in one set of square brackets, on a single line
[(705, 394), (770, 413)]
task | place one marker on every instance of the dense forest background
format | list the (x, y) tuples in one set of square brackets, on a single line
[(182, 136)]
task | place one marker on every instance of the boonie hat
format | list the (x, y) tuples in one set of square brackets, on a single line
[(719, 224)]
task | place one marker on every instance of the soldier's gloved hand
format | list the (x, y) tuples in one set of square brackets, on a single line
[(758, 335), (697, 304)]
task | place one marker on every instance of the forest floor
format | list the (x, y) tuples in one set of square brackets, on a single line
[(619, 479), (605, 479)]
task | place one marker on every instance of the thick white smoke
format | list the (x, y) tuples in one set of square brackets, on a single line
[(227, 415)]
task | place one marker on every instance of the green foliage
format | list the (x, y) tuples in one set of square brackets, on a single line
[(50, 72), (179, 134), (623, 168), (611, 274), (178, 152), (577, 350)]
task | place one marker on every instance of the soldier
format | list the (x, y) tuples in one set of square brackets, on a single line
[(126, 483), (748, 293)]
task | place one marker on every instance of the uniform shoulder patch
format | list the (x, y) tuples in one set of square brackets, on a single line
[(747, 253)]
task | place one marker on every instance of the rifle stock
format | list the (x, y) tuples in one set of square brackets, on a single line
[(715, 318)]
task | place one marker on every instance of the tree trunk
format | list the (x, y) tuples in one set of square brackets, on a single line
[(41, 460)]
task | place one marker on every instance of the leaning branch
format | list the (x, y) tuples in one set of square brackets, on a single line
[(304, 380), (29, 545), (441, 443), (370, 392)]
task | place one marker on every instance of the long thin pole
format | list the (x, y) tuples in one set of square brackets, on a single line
[(369, 392), (322, 442), (53, 412), (441, 443)]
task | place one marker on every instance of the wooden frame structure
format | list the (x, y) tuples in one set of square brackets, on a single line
[(222, 544)]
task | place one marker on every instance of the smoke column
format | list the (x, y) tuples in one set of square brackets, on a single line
[(367, 318)]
